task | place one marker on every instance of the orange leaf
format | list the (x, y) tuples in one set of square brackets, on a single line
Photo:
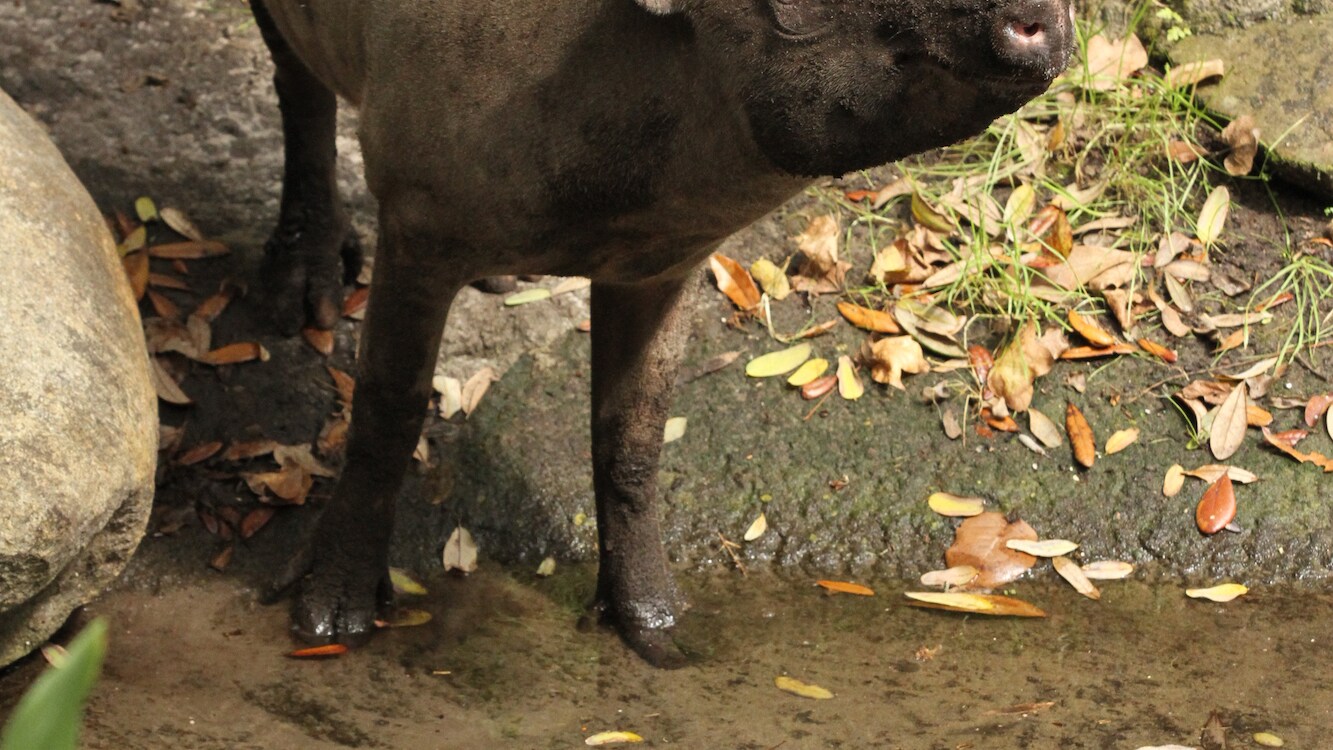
[(163, 306), (189, 250), (1256, 416), (1089, 352), (818, 387), (241, 351), (212, 307), (734, 281), (355, 304), (1217, 506), (1158, 351), (345, 385), (980, 604), (314, 652), (842, 587), (1315, 408), (1095, 334), (1080, 436), (1318, 459), (1003, 424), (871, 320), (319, 339), (254, 521), (198, 453), (167, 282)]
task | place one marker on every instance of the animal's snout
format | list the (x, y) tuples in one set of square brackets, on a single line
[(1035, 37)]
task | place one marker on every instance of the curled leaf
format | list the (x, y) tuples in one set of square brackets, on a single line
[(734, 281)]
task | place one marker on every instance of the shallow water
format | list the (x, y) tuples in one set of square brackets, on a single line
[(502, 665)]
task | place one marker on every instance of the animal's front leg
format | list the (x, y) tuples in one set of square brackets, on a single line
[(638, 332), (348, 559)]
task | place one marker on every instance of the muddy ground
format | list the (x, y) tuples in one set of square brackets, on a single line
[(172, 100)]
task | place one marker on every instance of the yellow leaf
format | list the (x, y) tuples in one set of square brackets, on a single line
[(547, 567), (1268, 739), (1121, 439), (955, 506), (1107, 570), (1222, 593), (843, 587), (405, 583), (405, 618), (526, 296), (796, 687), (145, 208), (1019, 207), (1043, 548), (778, 363), (757, 528), (674, 429), (807, 372), (930, 217), (611, 738), (771, 278), (1175, 479), (849, 385), (981, 604), (1213, 215), (181, 224)]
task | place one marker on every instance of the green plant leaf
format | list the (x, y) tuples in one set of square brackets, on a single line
[(50, 715)]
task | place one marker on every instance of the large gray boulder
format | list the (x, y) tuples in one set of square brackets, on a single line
[(1278, 73), (78, 414)]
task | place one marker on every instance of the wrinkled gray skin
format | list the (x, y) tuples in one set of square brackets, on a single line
[(616, 139)]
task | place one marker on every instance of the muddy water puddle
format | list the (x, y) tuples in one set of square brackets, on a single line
[(502, 665)]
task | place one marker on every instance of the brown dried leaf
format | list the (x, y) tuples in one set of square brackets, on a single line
[(1318, 459), (1228, 430), (136, 270), (1090, 330), (1110, 63), (1044, 429), (254, 521), (1243, 137), (1071, 572), (979, 604), (166, 387), (980, 540), (1193, 72), (1217, 506), (890, 357), (734, 281), (821, 272), (231, 354), (319, 339), (189, 250)]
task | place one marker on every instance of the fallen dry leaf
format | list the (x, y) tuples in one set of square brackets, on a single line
[(1107, 570), (1175, 480), (1120, 440), (1228, 430), (1243, 138), (778, 363), (821, 272), (772, 278), (955, 506), (849, 384), (611, 738), (476, 387), (981, 604), (189, 250), (892, 356), (1080, 436), (1090, 330), (136, 270), (460, 551), (1042, 548), (404, 617), (1191, 73), (1157, 350), (735, 282), (1221, 593), (1110, 62), (166, 387), (198, 453), (877, 321), (1318, 459), (232, 354), (959, 575), (1044, 429), (796, 687), (327, 650), (757, 528), (319, 339), (1212, 472), (405, 583), (255, 520), (1217, 506), (1213, 215), (807, 372), (843, 587), (979, 541), (1071, 572), (818, 387), (180, 223)]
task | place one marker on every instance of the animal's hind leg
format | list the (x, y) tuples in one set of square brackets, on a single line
[(302, 279), (638, 333)]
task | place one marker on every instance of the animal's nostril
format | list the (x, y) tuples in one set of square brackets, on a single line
[(1029, 30)]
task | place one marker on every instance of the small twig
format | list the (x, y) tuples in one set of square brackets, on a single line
[(818, 404), (731, 548)]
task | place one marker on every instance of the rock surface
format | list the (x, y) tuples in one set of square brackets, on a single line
[(1278, 74), (78, 427), (1210, 16)]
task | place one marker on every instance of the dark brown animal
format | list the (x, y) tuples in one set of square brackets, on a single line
[(616, 139)]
